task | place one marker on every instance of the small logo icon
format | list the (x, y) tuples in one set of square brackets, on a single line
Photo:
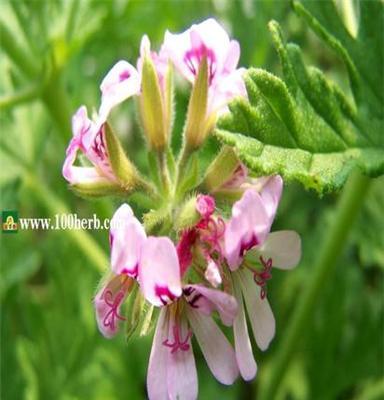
[(10, 221)]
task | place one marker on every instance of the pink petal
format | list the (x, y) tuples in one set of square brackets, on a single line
[(283, 247), (216, 349), (127, 236), (80, 123), (214, 37), (158, 361), (107, 303), (232, 57), (187, 48), (212, 274), (243, 348), (87, 135), (259, 310), (121, 82), (159, 271), (205, 205), (181, 369), (248, 227), (225, 90), (206, 300), (271, 194), (78, 175), (175, 47)]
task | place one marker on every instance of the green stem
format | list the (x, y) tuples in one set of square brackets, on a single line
[(56, 100), (16, 53), (22, 96), (181, 165), (80, 238), (350, 202), (164, 173)]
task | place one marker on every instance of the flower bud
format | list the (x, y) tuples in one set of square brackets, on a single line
[(123, 169), (188, 215), (220, 171), (152, 109), (196, 127)]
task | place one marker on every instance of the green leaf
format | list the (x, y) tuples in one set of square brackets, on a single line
[(303, 126)]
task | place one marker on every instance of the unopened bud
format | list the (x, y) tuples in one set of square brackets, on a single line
[(196, 127), (152, 108)]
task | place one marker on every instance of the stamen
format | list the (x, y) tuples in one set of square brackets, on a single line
[(263, 276), (212, 235), (113, 303), (192, 301), (178, 344)]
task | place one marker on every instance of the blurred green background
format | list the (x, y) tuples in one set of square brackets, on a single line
[(54, 56)]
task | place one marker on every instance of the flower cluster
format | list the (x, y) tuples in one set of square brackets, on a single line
[(189, 264)]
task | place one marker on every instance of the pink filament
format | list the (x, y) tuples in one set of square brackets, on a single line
[(263, 276), (178, 344), (113, 303), (214, 232)]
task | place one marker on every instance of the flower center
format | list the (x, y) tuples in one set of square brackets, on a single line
[(178, 343), (211, 234), (194, 57), (164, 294), (98, 145), (261, 277), (247, 245)]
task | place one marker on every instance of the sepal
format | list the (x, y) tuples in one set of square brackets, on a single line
[(188, 215), (196, 129), (152, 110), (123, 169), (100, 188), (221, 170)]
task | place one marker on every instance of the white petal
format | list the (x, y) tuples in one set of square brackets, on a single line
[(159, 271), (121, 82), (284, 247), (271, 194), (248, 226), (216, 349), (243, 348), (259, 310), (157, 367), (181, 370), (127, 236), (206, 300)]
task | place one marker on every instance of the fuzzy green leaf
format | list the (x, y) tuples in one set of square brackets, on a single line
[(304, 127)]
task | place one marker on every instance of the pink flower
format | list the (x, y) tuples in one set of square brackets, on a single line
[(205, 205), (247, 240), (121, 82), (232, 250), (252, 217), (208, 39), (127, 237), (185, 309)]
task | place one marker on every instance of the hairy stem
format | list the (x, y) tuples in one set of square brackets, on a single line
[(181, 165), (350, 202), (164, 173)]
